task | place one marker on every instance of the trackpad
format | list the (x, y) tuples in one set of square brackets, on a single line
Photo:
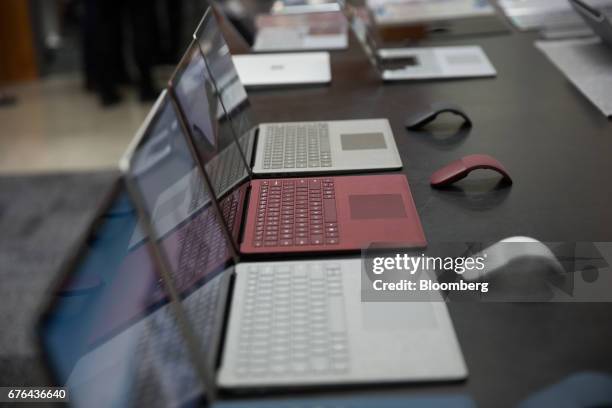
[(362, 141), (376, 206), (383, 316)]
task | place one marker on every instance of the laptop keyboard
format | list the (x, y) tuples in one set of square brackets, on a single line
[(297, 146), (293, 322), (296, 212)]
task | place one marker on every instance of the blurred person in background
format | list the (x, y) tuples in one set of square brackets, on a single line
[(108, 27)]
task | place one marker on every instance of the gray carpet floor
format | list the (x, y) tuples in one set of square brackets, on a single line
[(41, 219)]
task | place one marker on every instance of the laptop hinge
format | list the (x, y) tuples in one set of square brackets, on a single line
[(247, 200), (254, 146)]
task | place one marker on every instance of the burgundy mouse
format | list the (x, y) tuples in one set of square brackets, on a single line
[(459, 169)]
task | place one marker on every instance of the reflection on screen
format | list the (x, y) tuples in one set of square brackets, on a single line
[(222, 70), (111, 337), (174, 194), (196, 251), (196, 98), (212, 135)]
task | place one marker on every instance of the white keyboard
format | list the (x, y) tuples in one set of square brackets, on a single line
[(297, 146), (293, 322)]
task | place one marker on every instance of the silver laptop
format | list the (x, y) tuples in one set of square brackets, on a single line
[(301, 32), (283, 324), (292, 147)]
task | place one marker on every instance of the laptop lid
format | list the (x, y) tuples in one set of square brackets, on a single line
[(231, 91), (201, 109), (195, 255), (109, 326), (219, 65)]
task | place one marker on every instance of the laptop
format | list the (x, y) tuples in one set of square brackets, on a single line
[(304, 6), (596, 19), (401, 64), (301, 32), (283, 69), (106, 335), (274, 216), (293, 147), (288, 324)]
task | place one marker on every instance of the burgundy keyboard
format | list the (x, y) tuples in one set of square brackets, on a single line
[(296, 212)]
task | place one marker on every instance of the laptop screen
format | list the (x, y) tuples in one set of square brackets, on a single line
[(195, 96), (225, 167), (196, 99), (192, 243), (225, 76), (110, 336)]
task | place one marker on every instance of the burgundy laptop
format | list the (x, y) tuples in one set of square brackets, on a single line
[(322, 214)]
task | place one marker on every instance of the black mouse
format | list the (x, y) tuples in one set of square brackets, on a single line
[(419, 119)]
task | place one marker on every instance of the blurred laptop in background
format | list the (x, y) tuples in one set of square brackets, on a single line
[(289, 26), (301, 32)]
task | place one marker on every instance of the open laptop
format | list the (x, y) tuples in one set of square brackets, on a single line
[(294, 147), (596, 19), (290, 215), (401, 64), (106, 335), (301, 32), (287, 324)]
